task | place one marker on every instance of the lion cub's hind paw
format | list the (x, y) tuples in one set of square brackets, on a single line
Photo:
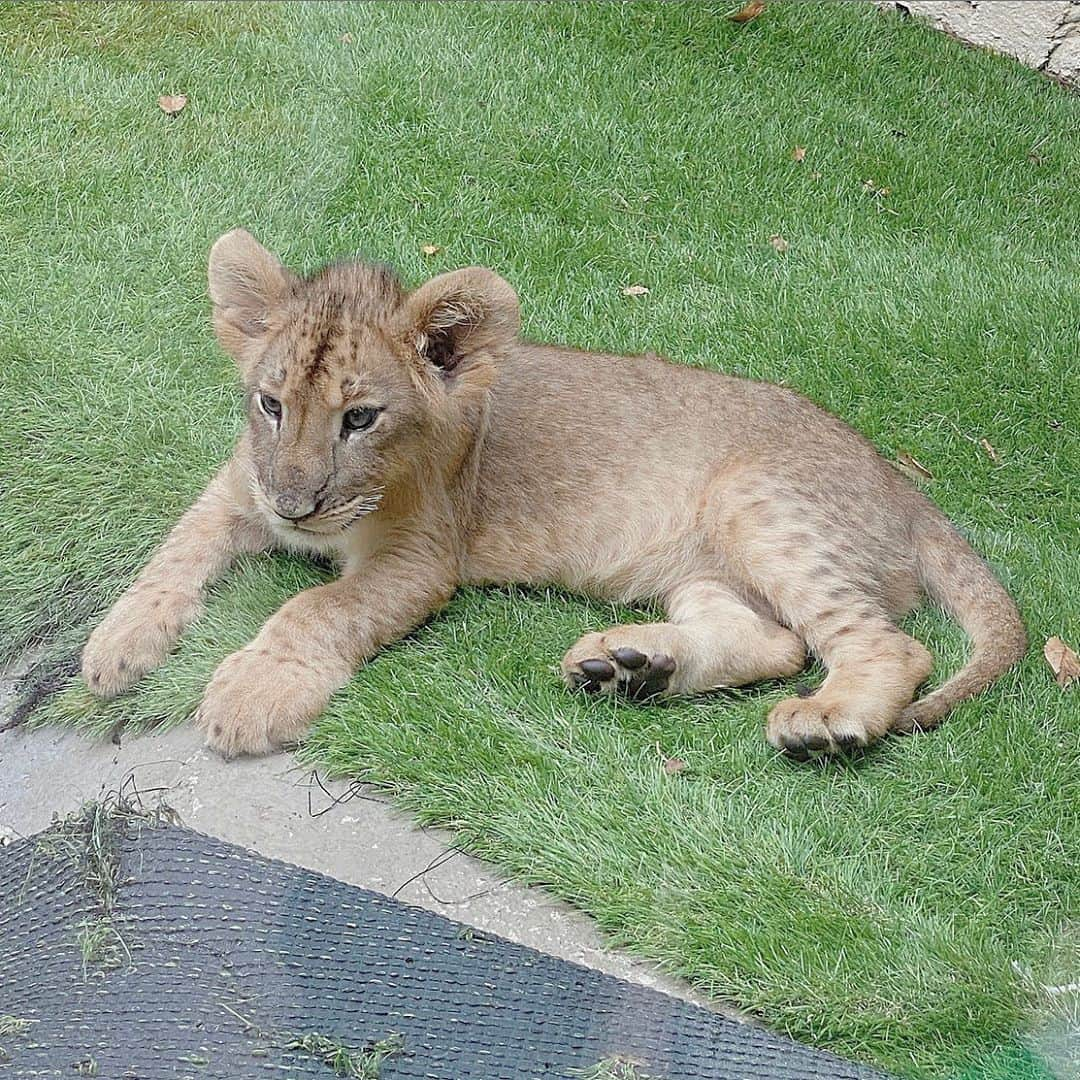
[(805, 728), (625, 671)]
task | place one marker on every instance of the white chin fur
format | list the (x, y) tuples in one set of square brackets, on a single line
[(295, 539)]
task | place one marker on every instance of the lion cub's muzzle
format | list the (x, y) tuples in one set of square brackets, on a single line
[(326, 519), (292, 506)]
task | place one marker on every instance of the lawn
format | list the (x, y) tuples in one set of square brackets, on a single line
[(908, 910)]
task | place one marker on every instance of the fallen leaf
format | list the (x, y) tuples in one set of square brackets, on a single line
[(431, 249), (1063, 661), (815, 175), (171, 104), (910, 465), (636, 290), (748, 12), (991, 453), (779, 243), (346, 38), (673, 766), (798, 154)]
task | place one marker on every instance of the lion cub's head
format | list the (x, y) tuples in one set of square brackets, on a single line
[(356, 389)]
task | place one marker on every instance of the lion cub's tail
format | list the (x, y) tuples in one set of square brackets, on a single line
[(955, 577)]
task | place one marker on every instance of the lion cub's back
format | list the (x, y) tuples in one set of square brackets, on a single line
[(592, 457)]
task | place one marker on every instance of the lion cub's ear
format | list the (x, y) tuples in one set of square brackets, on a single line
[(246, 283), (456, 315)]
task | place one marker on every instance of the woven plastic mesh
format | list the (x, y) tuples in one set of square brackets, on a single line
[(220, 959)]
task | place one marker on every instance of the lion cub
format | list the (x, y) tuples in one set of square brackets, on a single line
[(415, 437)]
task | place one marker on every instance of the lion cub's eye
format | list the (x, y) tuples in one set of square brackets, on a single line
[(358, 419), (270, 405)]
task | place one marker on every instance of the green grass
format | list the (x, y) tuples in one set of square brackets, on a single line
[(904, 911)]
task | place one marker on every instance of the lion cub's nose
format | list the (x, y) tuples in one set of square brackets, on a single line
[(293, 507)]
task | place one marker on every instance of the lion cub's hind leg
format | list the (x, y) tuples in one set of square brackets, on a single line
[(711, 639), (874, 671), (835, 563)]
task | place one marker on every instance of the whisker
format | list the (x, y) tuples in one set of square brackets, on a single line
[(364, 503)]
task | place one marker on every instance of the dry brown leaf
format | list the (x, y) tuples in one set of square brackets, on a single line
[(873, 188), (991, 453), (913, 467), (346, 38), (673, 766), (431, 249), (798, 154), (779, 243), (171, 104), (636, 290), (748, 12), (1063, 661)]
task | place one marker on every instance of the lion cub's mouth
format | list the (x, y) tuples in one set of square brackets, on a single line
[(327, 521)]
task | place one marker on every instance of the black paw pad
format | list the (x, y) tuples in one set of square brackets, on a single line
[(597, 669), (663, 664), (795, 747), (637, 675), (580, 681), (649, 679), (849, 744)]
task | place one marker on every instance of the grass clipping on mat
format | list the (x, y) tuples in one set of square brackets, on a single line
[(12, 1027), (823, 195), (363, 1064), (89, 841), (612, 1069)]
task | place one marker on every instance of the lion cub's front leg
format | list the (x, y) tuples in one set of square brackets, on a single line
[(144, 624), (266, 695)]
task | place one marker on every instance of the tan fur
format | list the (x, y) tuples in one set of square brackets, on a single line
[(763, 525)]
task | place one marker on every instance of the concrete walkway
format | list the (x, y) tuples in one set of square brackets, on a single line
[(274, 807), (1044, 34)]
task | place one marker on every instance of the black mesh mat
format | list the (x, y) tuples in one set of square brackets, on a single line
[(214, 962)]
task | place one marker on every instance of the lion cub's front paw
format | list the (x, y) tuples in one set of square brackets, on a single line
[(608, 664), (258, 702), (134, 637)]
